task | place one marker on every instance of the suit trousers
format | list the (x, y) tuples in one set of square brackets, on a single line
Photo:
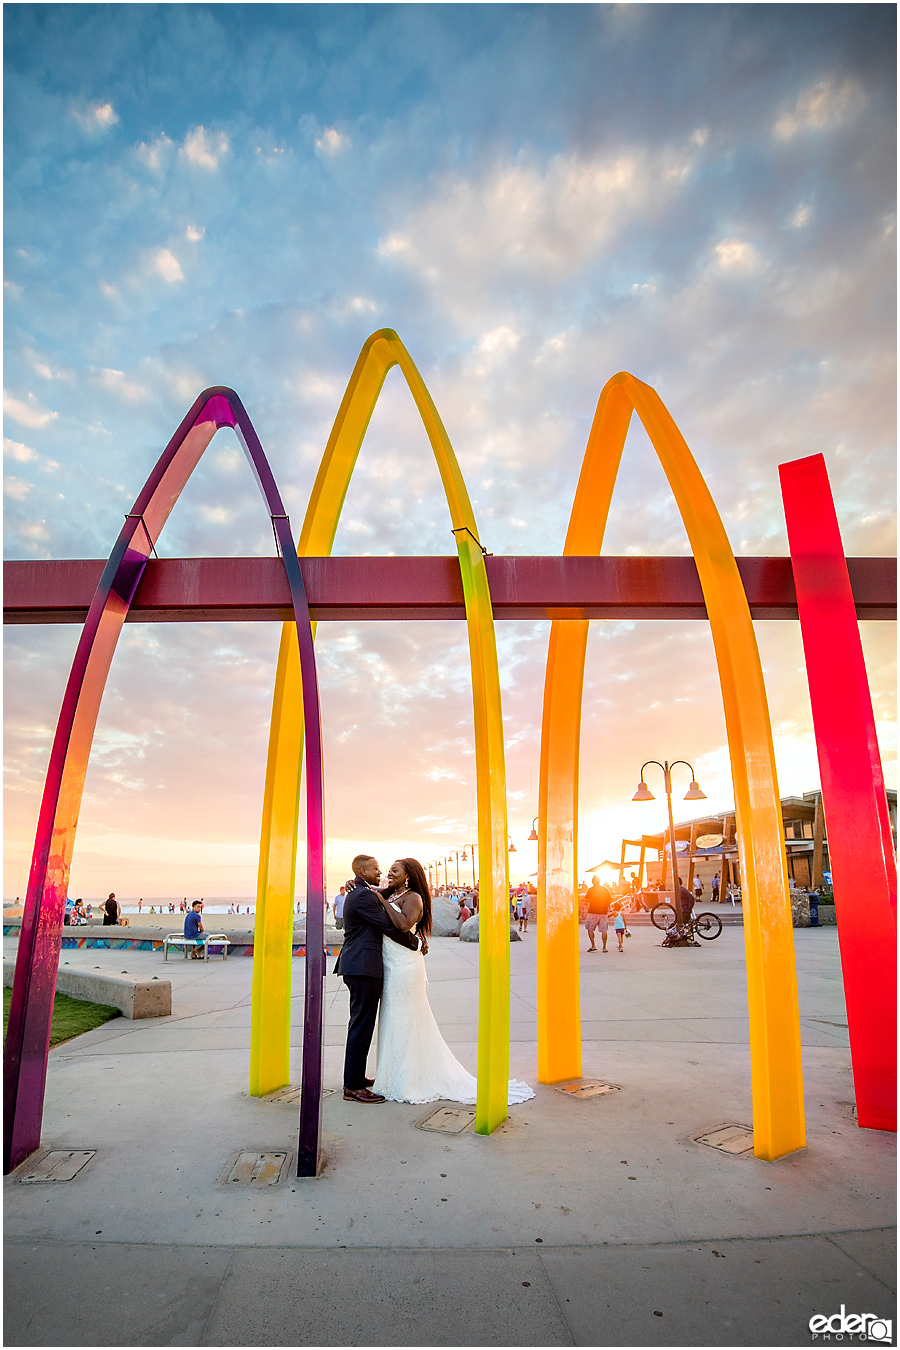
[(365, 994)]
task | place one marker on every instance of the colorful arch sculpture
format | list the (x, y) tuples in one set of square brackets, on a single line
[(860, 847), (37, 961), (772, 994), (776, 1071), (270, 1045)]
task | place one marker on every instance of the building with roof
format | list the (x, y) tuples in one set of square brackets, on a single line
[(708, 846)]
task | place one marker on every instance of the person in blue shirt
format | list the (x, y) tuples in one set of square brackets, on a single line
[(193, 927)]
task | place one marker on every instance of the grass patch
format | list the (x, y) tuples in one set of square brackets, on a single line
[(71, 1016)]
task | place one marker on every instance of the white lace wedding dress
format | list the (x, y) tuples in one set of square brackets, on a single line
[(415, 1064)]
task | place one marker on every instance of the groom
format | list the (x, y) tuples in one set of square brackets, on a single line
[(360, 965)]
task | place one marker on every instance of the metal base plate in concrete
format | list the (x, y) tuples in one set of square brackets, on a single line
[(55, 1164), (733, 1139), (587, 1087), (448, 1120), (255, 1167), (291, 1095)]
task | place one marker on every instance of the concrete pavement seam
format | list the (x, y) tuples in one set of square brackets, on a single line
[(829, 1237), (548, 1278), (212, 1306), (554, 1247)]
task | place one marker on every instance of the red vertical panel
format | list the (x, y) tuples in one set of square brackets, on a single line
[(860, 847)]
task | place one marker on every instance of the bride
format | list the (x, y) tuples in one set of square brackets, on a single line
[(415, 1064)]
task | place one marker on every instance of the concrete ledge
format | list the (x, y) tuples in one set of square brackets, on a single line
[(134, 996)]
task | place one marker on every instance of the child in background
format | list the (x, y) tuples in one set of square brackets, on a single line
[(619, 923)]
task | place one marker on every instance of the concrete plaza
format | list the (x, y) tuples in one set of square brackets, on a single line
[(595, 1221)]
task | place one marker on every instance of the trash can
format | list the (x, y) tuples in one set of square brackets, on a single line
[(814, 912)]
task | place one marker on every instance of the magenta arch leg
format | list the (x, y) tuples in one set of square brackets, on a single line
[(860, 847), (37, 962)]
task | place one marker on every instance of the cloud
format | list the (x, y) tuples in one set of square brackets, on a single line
[(194, 233), (331, 142), (16, 450), (526, 221), (25, 455), (154, 153), (16, 488), (166, 265), (736, 255), (99, 117), (116, 382), (822, 106), (27, 411), (217, 515), (35, 530), (204, 148)]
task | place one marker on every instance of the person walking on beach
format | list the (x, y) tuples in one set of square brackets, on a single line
[(112, 910)]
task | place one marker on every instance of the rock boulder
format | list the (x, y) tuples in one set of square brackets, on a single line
[(444, 916), (469, 931), (799, 909)]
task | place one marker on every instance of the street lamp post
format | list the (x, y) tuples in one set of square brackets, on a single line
[(456, 854), (464, 857), (693, 794)]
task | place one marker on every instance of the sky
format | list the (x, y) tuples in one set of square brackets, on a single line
[(534, 197)]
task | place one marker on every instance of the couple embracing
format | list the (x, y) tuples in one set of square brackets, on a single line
[(382, 962)]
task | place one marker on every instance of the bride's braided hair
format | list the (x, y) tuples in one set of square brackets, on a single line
[(418, 881)]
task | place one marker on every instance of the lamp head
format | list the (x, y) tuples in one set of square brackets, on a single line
[(512, 848), (643, 793), (532, 838), (694, 793), (465, 856)]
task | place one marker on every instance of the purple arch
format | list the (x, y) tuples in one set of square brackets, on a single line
[(37, 962)]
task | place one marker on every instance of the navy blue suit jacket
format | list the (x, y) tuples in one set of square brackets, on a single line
[(365, 923)]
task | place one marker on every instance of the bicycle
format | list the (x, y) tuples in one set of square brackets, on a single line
[(706, 925)]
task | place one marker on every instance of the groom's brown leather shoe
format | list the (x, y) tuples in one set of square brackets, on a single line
[(361, 1095)]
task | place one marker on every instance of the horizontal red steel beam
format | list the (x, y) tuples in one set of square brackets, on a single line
[(190, 590)]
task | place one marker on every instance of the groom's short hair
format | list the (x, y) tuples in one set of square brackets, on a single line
[(360, 861)]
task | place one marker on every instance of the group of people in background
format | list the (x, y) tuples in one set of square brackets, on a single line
[(521, 903), (77, 913)]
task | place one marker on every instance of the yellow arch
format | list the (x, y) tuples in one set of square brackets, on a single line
[(776, 1072), (269, 1043)]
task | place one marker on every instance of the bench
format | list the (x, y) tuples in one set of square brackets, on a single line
[(205, 939)]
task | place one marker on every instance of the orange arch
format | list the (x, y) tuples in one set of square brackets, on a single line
[(776, 1071)]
